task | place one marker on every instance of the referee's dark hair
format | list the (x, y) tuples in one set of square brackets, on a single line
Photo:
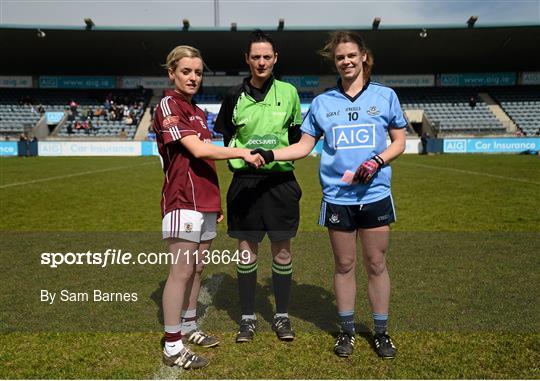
[(259, 36), (336, 38)]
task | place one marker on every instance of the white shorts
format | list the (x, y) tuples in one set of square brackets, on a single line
[(189, 225)]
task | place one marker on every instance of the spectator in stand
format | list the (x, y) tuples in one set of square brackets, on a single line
[(424, 139), (69, 128), (151, 135), (123, 134), (78, 125), (119, 113), (41, 109), (73, 107), (91, 127), (472, 102)]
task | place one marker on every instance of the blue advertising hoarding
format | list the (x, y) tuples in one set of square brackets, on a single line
[(8, 149), (54, 117), (302, 81), (491, 145), (478, 79), (76, 82)]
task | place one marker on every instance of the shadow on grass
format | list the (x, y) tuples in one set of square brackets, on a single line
[(310, 303), (156, 296)]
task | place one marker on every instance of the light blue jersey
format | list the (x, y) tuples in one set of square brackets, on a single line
[(354, 129)]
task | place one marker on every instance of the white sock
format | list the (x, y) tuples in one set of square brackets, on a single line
[(188, 326), (173, 347), (252, 317), (285, 314)]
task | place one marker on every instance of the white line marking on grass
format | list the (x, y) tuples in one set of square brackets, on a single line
[(206, 295), (472, 173), (71, 175)]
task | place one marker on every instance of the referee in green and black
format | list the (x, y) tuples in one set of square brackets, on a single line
[(262, 112)]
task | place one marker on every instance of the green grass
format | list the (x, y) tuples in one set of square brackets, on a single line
[(463, 261)]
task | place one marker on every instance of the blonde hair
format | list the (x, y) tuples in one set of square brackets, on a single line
[(180, 52), (336, 38)]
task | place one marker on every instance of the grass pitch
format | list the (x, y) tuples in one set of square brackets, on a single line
[(463, 262)]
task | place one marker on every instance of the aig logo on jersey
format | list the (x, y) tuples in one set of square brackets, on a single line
[(355, 136)]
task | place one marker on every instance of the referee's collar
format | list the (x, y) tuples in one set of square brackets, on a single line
[(256, 93), (352, 99)]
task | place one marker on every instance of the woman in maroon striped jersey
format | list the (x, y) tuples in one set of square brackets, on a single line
[(191, 202)]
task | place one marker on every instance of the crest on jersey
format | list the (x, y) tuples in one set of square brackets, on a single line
[(188, 227), (373, 111), (334, 218), (170, 121)]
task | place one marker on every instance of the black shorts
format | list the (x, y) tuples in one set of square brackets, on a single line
[(361, 216), (263, 203)]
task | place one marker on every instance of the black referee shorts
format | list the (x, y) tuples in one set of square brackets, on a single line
[(263, 203)]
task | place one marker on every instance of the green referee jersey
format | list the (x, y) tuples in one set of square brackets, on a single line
[(267, 118)]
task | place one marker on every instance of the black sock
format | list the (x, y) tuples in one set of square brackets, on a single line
[(247, 281), (281, 280)]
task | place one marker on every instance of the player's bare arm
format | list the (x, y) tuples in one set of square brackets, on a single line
[(397, 145), (203, 150), (297, 150)]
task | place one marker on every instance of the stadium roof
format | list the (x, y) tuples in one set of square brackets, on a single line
[(141, 52)]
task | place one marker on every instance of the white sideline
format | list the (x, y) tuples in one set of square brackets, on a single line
[(71, 175), (472, 173), (207, 292)]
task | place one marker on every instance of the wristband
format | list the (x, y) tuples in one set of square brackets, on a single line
[(378, 160)]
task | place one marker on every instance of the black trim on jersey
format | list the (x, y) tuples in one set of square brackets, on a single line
[(224, 124), (294, 133), (352, 99), (258, 94)]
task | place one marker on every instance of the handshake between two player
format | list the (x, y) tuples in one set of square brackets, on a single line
[(363, 174)]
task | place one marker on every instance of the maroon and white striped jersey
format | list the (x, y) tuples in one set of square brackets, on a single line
[(189, 183)]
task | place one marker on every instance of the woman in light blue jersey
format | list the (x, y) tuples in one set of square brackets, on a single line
[(354, 119)]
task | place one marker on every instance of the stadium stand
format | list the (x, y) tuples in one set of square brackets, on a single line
[(95, 113), (452, 110), (17, 119), (522, 104)]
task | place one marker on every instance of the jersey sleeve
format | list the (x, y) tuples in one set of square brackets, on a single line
[(396, 117), (224, 121), (173, 123), (297, 110), (310, 125), (296, 119)]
